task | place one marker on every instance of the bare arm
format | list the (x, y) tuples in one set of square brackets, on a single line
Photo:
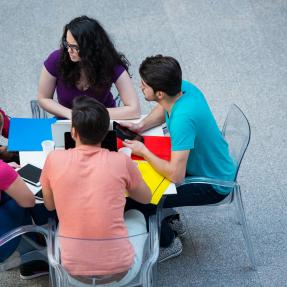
[(141, 193), (131, 108), (47, 85), (155, 118), (174, 170), (20, 192), (48, 198)]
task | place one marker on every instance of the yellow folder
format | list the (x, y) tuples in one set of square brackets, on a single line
[(156, 182)]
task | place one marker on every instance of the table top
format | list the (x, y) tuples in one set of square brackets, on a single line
[(38, 158)]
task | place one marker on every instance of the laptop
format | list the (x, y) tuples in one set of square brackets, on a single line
[(109, 142), (60, 127), (58, 130)]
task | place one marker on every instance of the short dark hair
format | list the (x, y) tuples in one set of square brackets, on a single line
[(90, 119), (162, 73)]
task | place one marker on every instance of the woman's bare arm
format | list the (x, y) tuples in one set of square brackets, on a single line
[(131, 108), (47, 85)]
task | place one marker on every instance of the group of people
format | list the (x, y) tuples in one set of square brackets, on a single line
[(89, 181)]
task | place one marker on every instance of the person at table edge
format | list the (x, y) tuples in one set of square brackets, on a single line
[(90, 182), (197, 145), (87, 63)]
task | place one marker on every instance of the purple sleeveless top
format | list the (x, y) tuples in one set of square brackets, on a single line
[(67, 94)]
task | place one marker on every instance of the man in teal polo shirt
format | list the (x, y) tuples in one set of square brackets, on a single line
[(198, 147)]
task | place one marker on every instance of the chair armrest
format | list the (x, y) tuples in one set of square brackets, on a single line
[(39, 253), (207, 180), (22, 230), (51, 248)]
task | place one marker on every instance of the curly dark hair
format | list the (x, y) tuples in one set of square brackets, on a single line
[(97, 52)]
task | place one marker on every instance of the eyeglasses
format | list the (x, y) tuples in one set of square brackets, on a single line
[(72, 47)]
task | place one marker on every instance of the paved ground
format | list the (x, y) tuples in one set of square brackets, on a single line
[(235, 51)]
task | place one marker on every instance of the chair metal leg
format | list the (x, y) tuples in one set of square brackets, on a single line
[(245, 231)]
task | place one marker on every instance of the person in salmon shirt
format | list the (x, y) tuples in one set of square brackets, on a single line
[(87, 186)]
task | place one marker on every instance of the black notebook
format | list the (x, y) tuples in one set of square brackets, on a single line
[(30, 174)]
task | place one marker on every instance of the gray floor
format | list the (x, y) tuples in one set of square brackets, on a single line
[(234, 51)]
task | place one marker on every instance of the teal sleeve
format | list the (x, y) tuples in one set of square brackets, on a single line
[(182, 131)]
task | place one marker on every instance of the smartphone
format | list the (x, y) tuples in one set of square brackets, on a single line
[(124, 133), (30, 174)]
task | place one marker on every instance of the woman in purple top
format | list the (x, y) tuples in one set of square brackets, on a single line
[(87, 63)]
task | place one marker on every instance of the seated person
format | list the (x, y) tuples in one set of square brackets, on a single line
[(197, 145), (17, 208), (4, 131), (87, 63), (87, 185), (4, 124)]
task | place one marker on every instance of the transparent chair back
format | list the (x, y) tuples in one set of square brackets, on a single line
[(113, 261), (37, 111), (33, 252), (236, 131)]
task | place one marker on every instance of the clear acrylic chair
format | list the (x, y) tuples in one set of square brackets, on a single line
[(77, 262), (144, 273), (236, 131), (37, 111), (36, 251)]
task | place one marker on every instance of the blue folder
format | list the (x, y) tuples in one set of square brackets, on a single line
[(27, 134)]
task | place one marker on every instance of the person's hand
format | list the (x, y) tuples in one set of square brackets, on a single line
[(5, 155), (14, 164), (3, 149), (136, 127), (137, 147)]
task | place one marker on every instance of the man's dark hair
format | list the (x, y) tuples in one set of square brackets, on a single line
[(91, 120), (162, 74)]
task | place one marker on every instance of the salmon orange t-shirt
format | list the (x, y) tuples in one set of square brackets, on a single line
[(88, 185)]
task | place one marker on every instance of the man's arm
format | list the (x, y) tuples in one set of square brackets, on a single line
[(48, 198), (46, 185), (141, 193), (155, 118), (136, 187), (174, 170)]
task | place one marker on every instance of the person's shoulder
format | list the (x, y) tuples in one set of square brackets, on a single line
[(54, 55), (118, 70), (3, 165), (113, 154), (188, 87), (118, 157), (51, 63), (6, 170), (58, 155)]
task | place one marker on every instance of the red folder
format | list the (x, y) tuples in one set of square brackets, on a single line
[(159, 145)]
